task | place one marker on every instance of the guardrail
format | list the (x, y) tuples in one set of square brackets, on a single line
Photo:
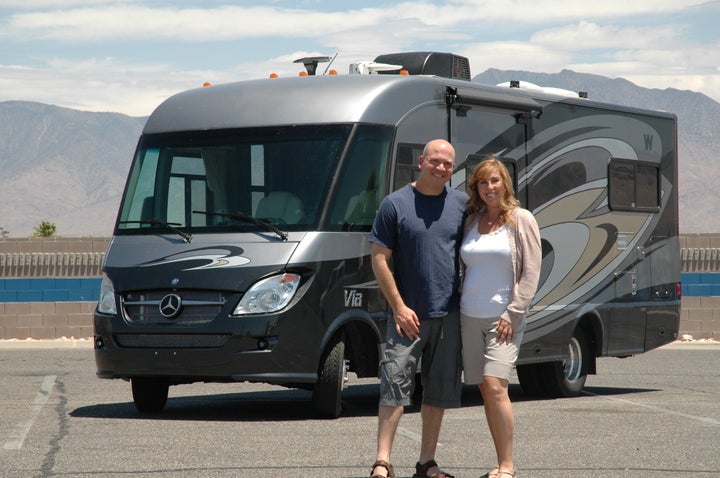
[(700, 259), (51, 264), (89, 264)]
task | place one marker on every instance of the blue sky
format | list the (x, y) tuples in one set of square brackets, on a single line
[(127, 56)]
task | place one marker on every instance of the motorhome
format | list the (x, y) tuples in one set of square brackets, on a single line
[(240, 251)]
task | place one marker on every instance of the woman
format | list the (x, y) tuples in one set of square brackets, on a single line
[(501, 255)]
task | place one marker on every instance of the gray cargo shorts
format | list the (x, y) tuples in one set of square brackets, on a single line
[(439, 347)]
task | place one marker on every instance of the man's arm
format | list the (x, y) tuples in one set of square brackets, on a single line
[(406, 322)]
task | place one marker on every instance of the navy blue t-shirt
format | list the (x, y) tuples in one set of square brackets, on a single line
[(423, 233)]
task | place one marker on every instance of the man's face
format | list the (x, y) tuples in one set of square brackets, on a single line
[(437, 166)]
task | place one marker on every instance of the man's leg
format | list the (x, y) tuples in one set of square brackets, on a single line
[(431, 422), (441, 370), (388, 420)]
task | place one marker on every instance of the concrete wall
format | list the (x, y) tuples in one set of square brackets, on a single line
[(700, 314), (34, 313), (43, 309)]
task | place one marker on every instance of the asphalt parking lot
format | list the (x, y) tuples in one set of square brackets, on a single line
[(653, 415)]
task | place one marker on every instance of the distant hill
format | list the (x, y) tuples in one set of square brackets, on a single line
[(69, 167), (63, 166)]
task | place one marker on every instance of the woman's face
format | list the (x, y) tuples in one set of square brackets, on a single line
[(491, 188)]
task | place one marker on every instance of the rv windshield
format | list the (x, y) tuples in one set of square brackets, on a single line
[(259, 179)]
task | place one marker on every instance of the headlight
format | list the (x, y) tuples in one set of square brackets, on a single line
[(106, 302), (268, 295)]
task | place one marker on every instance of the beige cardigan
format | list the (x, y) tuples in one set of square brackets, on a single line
[(526, 260)]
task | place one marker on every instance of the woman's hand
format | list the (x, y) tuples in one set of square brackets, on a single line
[(504, 331)]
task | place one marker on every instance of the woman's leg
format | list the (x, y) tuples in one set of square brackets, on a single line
[(500, 418)]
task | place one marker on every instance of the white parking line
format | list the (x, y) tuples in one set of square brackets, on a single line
[(416, 437), (706, 420), (408, 434), (20, 431)]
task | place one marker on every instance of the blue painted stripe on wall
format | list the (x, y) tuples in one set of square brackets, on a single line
[(87, 289), (700, 284), (692, 278), (76, 289)]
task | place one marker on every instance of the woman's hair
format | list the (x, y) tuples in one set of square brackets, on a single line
[(484, 170)]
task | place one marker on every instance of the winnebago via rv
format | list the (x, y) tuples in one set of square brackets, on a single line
[(241, 254)]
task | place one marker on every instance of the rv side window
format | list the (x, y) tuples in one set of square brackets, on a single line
[(362, 179), (406, 169), (633, 185), (142, 183)]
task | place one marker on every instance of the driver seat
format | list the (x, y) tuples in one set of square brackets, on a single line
[(282, 205)]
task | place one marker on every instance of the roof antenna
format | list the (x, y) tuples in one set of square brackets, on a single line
[(311, 63), (330, 64)]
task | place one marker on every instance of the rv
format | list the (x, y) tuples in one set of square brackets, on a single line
[(241, 254)]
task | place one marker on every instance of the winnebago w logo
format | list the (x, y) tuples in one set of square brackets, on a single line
[(353, 298), (648, 142)]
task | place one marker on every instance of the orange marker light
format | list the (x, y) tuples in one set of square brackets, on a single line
[(404, 72), (206, 84), (332, 72), (273, 75), (303, 73)]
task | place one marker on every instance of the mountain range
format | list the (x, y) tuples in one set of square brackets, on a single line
[(68, 167)]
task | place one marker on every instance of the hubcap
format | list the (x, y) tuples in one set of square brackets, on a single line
[(573, 364)]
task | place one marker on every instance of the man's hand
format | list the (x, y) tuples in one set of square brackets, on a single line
[(407, 323)]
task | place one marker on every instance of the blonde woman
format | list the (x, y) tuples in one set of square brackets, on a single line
[(501, 255)]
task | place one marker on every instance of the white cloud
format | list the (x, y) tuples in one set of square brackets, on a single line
[(98, 85), (552, 11), (514, 56), (589, 35), (188, 24), (129, 55), (35, 4), (76, 20)]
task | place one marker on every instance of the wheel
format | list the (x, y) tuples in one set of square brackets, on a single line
[(149, 394), (567, 378), (327, 393), (530, 377)]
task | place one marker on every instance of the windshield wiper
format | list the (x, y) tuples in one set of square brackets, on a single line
[(239, 215), (186, 236)]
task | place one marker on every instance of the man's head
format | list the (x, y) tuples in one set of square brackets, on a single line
[(436, 166)]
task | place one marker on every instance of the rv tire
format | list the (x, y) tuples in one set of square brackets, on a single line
[(530, 377), (327, 393), (567, 378), (149, 394)]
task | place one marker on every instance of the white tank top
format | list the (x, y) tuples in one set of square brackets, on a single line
[(487, 286)]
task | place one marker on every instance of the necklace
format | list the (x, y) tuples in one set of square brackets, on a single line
[(487, 217)]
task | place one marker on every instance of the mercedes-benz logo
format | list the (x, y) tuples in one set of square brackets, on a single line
[(170, 306)]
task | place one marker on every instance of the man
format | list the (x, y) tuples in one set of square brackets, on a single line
[(417, 230)]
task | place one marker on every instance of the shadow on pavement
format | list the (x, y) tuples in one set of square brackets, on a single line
[(359, 400)]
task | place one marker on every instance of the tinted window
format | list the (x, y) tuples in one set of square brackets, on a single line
[(200, 180), (633, 185)]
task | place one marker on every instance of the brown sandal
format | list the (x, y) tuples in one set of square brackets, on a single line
[(384, 464), (421, 471)]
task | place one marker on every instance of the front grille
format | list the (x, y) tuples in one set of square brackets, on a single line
[(171, 341), (198, 307)]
